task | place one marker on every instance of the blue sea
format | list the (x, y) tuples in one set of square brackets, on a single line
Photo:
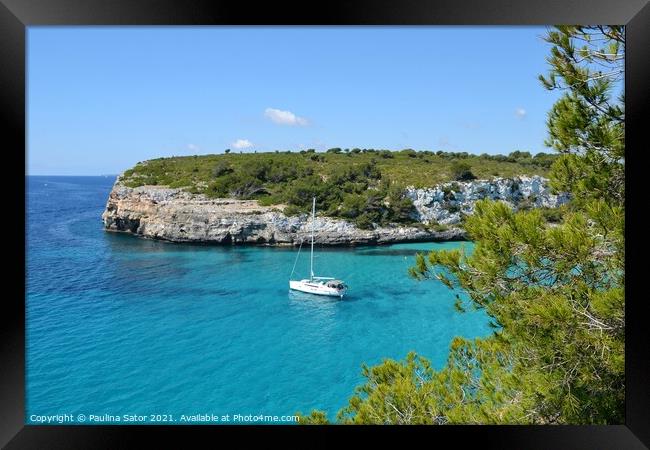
[(141, 331)]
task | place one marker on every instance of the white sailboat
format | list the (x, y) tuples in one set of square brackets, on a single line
[(317, 285)]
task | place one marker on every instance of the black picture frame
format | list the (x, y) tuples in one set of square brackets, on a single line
[(16, 15)]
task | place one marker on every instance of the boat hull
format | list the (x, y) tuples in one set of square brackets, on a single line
[(316, 288)]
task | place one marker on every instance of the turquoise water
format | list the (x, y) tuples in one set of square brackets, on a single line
[(118, 325)]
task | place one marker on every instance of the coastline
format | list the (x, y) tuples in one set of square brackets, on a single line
[(459, 236), (175, 215)]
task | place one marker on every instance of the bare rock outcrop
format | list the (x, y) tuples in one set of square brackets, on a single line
[(445, 203), (178, 216), (175, 215)]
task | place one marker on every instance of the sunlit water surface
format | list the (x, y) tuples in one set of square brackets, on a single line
[(118, 325)]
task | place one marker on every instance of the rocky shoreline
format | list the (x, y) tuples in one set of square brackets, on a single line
[(174, 215)]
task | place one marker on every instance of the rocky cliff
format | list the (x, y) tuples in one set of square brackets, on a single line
[(175, 215), (445, 204)]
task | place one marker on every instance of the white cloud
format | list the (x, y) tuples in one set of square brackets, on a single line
[(284, 117), (520, 113), (242, 143), (192, 147)]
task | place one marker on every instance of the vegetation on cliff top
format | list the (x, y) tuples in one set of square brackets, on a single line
[(365, 186)]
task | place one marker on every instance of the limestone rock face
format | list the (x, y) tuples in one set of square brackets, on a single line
[(174, 215), (444, 203), (178, 216)]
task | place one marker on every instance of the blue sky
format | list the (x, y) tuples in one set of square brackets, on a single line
[(100, 99)]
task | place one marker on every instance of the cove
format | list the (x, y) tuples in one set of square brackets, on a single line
[(118, 325)]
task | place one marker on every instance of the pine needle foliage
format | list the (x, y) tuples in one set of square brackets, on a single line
[(554, 294)]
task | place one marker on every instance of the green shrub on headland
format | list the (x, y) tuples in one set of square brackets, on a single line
[(364, 186)]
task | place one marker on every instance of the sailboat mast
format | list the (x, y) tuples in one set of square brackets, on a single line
[(313, 219)]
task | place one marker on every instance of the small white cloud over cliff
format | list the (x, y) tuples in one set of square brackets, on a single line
[(242, 143), (284, 117)]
